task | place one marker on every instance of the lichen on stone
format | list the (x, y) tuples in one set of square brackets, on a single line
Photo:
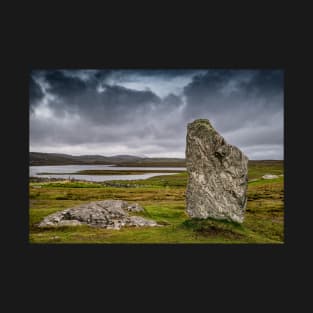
[(218, 172)]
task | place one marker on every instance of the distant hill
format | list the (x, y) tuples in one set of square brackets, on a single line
[(39, 158)]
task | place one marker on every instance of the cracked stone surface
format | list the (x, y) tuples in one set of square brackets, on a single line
[(111, 214), (217, 175)]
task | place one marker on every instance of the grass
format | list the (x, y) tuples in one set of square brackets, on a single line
[(163, 198), (259, 168)]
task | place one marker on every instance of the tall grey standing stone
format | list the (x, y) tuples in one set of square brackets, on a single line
[(218, 175)]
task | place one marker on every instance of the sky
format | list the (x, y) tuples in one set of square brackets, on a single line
[(145, 112)]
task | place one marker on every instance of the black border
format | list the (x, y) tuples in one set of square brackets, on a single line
[(265, 266)]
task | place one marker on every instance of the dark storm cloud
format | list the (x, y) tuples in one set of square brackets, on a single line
[(234, 98), (172, 100), (264, 82), (164, 73), (146, 111), (219, 87), (84, 114), (63, 85), (110, 105), (35, 92)]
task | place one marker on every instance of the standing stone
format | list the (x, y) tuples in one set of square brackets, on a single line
[(218, 175)]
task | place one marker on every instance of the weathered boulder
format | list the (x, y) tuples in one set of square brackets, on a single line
[(112, 214), (218, 175)]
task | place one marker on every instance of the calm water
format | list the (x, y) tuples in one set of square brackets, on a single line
[(34, 170)]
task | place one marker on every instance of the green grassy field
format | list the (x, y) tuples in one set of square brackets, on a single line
[(163, 198)]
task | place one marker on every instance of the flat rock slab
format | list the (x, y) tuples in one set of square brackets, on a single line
[(270, 176), (217, 175), (111, 214)]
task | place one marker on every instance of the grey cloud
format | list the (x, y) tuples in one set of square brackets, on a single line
[(218, 90), (172, 100), (35, 92), (63, 85), (245, 106), (234, 98)]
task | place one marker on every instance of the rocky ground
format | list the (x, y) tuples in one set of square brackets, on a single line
[(110, 214)]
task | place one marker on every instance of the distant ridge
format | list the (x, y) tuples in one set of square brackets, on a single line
[(39, 158)]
